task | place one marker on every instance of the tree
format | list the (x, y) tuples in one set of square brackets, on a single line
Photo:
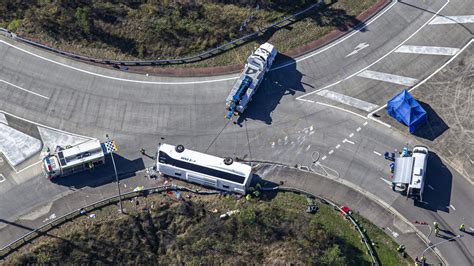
[(333, 256), (83, 18)]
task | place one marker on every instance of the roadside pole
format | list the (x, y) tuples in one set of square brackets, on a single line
[(116, 175)]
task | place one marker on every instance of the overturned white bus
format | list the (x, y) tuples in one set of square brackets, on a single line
[(203, 169)]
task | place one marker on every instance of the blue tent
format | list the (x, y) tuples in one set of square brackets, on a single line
[(407, 110)]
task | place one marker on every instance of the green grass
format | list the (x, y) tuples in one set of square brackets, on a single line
[(170, 29), (275, 229)]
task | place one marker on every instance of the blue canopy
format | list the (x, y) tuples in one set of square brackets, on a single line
[(406, 110)]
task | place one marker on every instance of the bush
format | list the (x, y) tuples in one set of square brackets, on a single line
[(14, 25)]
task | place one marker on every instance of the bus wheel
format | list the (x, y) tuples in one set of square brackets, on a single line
[(179, 148), (228, 160)]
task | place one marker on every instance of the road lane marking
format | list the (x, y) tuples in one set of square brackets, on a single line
[(27, 167), (356, 30), (358, 48), (306, 100), (348, 141), (429, 50), (338, 146), (378, 153), (358, 129), (330, 45), (432, 188), (342, 109), (324, 158), (386, 181), (2, 178), (365, 123), (452, 207), (452, 20), (381, 58), (307, 148), (371, 115), (386, 77), (20, 88), (331, 151), (348, 100), (351, 135)]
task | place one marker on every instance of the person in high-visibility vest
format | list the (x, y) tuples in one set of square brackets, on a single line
[(461, 228), (436, 225), (437, 231)]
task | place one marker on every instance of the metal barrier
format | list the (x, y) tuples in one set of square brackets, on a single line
[(42, 230), (185, 60)]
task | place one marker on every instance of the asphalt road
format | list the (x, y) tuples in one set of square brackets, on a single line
[(304, 111)]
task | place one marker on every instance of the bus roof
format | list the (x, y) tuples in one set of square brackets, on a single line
[(80, 153), (206, 160)]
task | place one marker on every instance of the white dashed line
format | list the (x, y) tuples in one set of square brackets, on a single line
[(386, 181), (378, 153), (358, 129), (365, 123), (20, 88), (428, 50), (307, 148), (338, 145), (351, 135), (348, 141), (431, 187), (452, 207), (386, 77), (324, 158), (331, 151)]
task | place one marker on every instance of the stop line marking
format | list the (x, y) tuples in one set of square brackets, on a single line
[(427, 50), (452, 20)]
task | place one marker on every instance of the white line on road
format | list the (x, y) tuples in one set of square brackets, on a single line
[(348, 141), (324, 158), (342, 109), (378, 153), (365, 123), (452, 207), (307, 148), (358, 129), (430, 50), (381, 58), (348, 100), (29, 166), (432, 188), (351, 135), (396, 79), (306, 100), (386, 181), (452, 20), (2, 178), (331, 151), (338, 146), (370, 116), (20, 88)]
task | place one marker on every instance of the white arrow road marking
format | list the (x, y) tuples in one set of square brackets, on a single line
[(358, 48), (348, 141)]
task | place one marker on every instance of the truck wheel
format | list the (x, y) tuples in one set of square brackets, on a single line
[(228, 160), (179, 148)]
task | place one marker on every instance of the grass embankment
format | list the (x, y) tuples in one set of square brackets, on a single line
[(169, 29), (170, 231)]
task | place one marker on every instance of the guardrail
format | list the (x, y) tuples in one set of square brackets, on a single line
[(42, 230), (363, 236), (185, 60)]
